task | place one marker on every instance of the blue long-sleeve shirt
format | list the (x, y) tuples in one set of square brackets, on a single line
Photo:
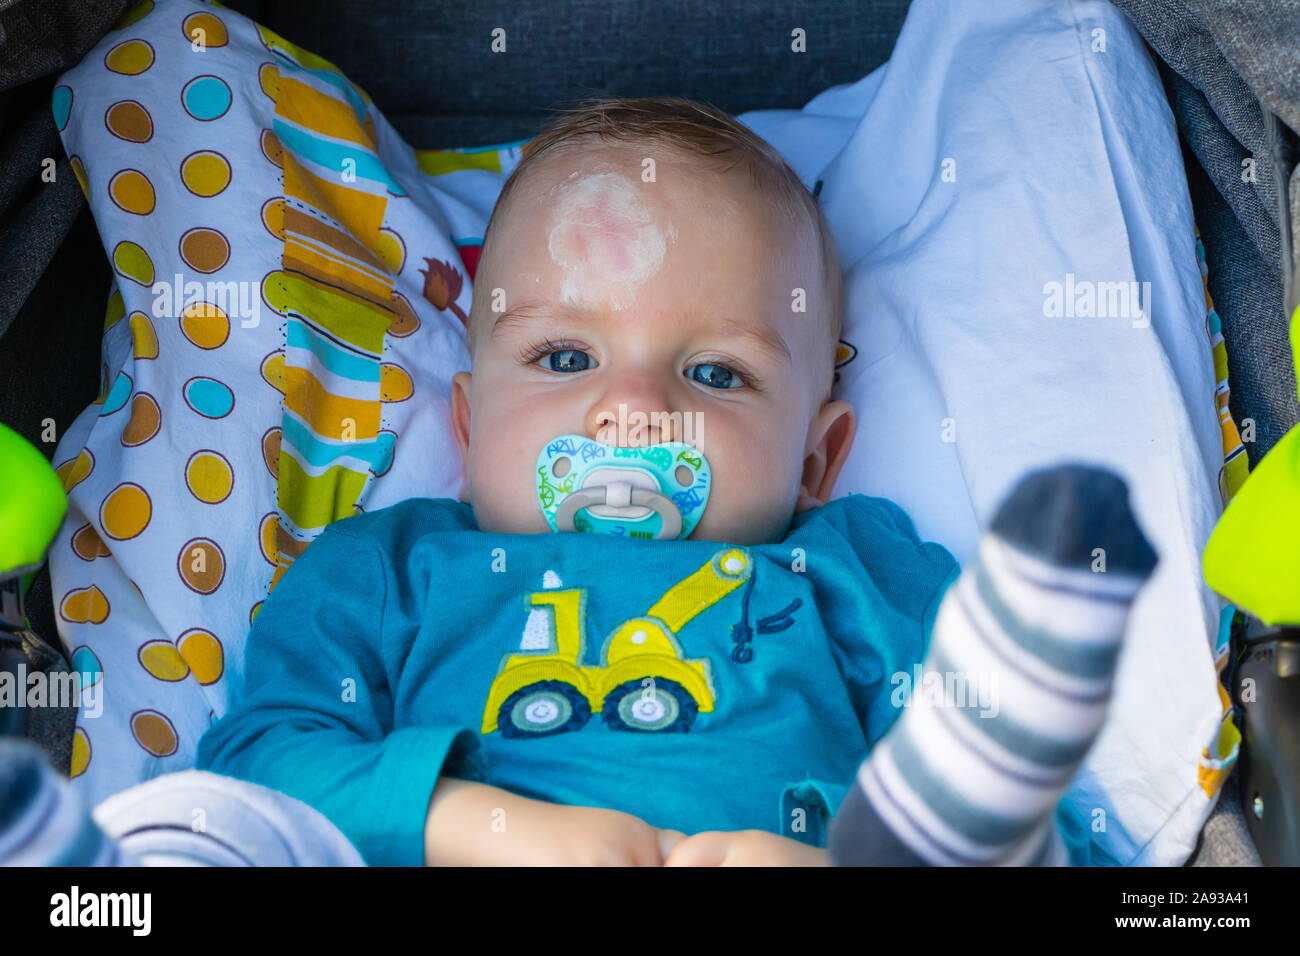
[(697, 685)]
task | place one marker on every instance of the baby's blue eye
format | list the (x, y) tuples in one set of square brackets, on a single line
[(569, 360), (715, 376)]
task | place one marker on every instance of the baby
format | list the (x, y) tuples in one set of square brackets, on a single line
[(653, 332)]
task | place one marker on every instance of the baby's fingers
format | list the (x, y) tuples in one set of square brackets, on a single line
[(703, 849), (668, 841)]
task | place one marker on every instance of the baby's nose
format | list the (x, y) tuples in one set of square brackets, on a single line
[(632, 426)]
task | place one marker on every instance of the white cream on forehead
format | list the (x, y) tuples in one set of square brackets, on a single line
[(605, 238)]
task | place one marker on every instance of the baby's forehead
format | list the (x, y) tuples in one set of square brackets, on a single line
[(661, 177), (583, 206)]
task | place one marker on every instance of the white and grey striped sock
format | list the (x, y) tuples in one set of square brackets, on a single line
[(1015, 688)]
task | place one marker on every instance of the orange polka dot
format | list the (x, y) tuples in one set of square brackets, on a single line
[(405, 321), (129, 120), (252, 613), (205, 173), (154, 733), (273, 216), (79, 170), (268, 77), (201, 565), (209, 476), (88, 545), (126, 511), (271, 451), (272, 149), (163, 661), (266, 536), (80, 753), (202, 652), (204, 250), (205, 325), (273, 371), (130, 58), (132, 192), (74, 472), (392, 250), (84, 606), (204, 30), (144, 339), (145, 420), (394, 384)]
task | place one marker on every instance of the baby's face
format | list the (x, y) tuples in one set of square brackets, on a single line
[(675, 299)]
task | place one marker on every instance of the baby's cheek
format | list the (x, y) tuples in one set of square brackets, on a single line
[(754, 488), (503, 456)]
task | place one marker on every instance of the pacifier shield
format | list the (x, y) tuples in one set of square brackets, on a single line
[(622, 491)]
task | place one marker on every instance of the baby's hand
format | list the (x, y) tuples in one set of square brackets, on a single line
[(744, 848), (475, 824), (589, 836)]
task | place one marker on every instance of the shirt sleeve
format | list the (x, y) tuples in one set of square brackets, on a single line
[(314, 716)]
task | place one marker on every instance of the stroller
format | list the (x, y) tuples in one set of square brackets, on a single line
[(1227, 77)]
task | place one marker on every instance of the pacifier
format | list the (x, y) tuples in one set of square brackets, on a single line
[(658, 491)]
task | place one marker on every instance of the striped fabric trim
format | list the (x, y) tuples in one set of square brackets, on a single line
[(1218, 758), (1236, 464), (967, 781), (336, 293)]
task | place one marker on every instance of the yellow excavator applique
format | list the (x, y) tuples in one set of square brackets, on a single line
[(643, 682)]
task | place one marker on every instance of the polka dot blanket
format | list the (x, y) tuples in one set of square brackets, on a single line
[(290, 286)]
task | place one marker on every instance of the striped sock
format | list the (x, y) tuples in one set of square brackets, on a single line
[(1015, 688), (43, 821)]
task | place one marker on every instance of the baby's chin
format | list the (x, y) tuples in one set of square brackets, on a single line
[(498, 521), (745, 533), (753, 522)]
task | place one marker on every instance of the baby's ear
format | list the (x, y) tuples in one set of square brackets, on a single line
[(460, 384), (829, 439)]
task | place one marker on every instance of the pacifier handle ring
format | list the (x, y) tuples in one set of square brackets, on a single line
[(671, 518)]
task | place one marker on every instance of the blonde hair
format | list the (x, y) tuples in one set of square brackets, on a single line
[(693, 129)]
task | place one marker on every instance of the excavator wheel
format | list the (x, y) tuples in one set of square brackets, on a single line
[(544, 708), (650, 705)]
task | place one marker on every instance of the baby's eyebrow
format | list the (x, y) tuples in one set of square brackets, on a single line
[(524, 312), (759, 333)]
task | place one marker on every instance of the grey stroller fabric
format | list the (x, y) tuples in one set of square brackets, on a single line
[(1224, 62), (431, 67), (53, 272), (38, 40)]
